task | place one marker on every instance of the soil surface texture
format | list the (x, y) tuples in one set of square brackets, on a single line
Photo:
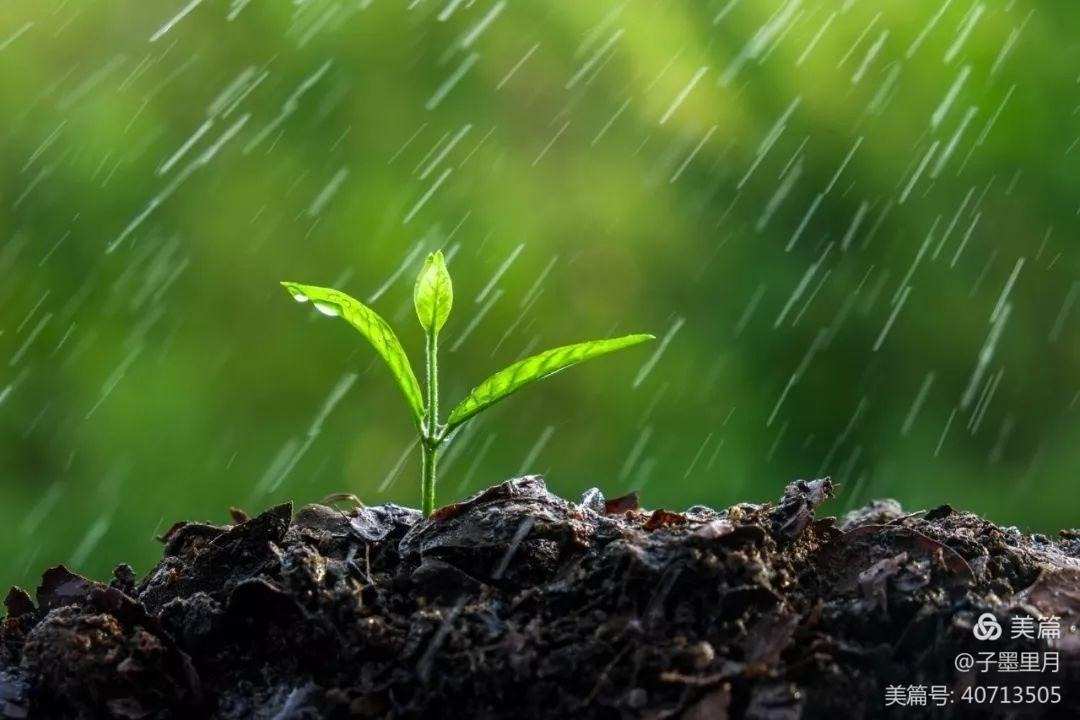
[(518, 604)]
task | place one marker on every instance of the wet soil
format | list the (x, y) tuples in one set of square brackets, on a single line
[(519, 604)]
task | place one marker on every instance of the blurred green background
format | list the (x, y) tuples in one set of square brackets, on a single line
[(853, 225)]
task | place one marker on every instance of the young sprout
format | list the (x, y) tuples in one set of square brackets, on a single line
[(433, 297)]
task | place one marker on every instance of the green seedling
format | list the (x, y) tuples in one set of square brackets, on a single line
[(433, 296)]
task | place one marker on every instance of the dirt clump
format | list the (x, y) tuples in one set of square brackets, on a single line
[(519, 604)]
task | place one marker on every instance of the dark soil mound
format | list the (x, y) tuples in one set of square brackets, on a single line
[(518, 604)]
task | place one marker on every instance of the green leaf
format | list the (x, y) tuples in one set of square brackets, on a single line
[(513, 378), (434, 293), (337, 304)]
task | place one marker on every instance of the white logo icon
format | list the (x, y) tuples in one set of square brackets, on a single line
[(987, 627)]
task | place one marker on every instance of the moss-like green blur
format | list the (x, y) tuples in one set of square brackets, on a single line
[(851, 225)]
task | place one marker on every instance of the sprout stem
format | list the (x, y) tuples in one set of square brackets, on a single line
[(430, 439), (427, 471)]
